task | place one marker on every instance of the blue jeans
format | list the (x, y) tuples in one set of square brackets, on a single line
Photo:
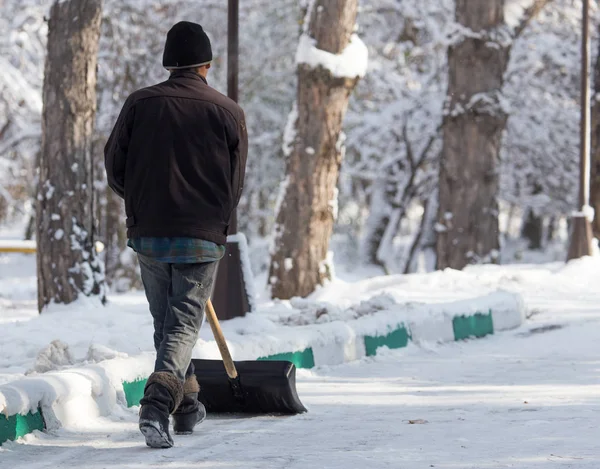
[(177, 294)]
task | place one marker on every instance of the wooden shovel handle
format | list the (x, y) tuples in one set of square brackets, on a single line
[(218, 333)]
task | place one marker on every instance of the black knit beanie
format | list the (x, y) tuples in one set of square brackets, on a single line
[(187, 46)]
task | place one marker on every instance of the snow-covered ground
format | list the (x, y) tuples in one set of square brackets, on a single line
[(525, 399), (93, 332), (520, 399)]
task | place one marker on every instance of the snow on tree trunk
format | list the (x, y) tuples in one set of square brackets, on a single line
[(595, 150), (68, 265), (330, 60), (474, 121)]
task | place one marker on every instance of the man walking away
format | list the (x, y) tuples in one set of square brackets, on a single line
[(177, 156)]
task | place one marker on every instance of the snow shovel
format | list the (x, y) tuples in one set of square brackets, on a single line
[(252, 387)]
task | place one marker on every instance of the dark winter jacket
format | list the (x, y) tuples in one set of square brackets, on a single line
[(177, 155)]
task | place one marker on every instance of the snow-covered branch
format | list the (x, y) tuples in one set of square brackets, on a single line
[(519, 13)]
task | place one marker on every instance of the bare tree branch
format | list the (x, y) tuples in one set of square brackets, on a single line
[(529, 15), (409, 151), (417, 240), (5, 128), (17, 140), (427, 149)]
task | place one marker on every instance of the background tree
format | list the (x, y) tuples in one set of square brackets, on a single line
[(67, 262), (22, 51), (475, 118), (330, 61), (393, 125), (539, 172), (405, 88)]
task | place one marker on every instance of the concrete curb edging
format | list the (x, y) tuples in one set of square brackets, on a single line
[(25, 408)]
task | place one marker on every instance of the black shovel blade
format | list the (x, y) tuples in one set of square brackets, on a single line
[(267, 387)]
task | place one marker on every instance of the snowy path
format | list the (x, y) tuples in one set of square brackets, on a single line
[(513, 400)]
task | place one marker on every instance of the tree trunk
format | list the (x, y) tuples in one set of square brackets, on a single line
[(425, 238), (115, 237), (30, 228), (305, 218), (473, 124), (533, 230), (68, 265), (595, 149), (551, 229), (263, 203), (377, 222)]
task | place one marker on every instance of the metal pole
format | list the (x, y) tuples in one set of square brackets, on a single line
[(584, 184), (229, 294), (233, 41), (581, 234)]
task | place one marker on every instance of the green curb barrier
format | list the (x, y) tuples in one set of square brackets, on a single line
[(134, 391), (475, 325), (398, 338), (16, 426), (302, 359), (465, 327), (478, 325)]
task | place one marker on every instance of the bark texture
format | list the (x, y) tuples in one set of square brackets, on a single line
[(306, 213), (68, 265), (473, 124)]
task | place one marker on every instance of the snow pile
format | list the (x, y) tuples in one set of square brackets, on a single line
[(54, 356), (81, 326), (75, 397), (351, 63), (98, 353), (306, 311)]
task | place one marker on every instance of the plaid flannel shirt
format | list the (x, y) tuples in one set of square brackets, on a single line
[(178, 250)]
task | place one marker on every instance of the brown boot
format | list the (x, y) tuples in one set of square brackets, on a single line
[(191, 411), (162, 395)]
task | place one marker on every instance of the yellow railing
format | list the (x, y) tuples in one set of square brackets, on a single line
[(19, 247), (18, 250), (29, 247)]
